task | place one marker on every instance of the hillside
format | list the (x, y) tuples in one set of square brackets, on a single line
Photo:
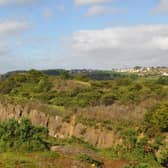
[(121, 120)]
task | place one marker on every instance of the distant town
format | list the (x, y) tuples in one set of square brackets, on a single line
[(145, 70), (138, 70)]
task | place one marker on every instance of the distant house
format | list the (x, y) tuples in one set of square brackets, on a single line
[(165, 74)]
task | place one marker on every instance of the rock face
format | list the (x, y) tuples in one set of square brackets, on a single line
[(56, 126)]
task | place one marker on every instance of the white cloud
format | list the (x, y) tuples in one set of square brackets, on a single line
[(162, 7), (8, 2), (147, 37), (88, 2), (100, 10), (12, 27), (122, 46), (9, 30)]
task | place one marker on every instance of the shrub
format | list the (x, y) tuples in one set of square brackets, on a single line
[(64, 75), (90, 160), (130, 138), (88, 98), (141, 165), (163, 159), (158, 116), (108, 99), (162, 81), (22, 135)]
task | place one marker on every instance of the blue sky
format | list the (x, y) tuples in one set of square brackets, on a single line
[(101, 34)]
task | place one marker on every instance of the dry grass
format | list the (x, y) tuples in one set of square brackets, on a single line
[(118, 111)]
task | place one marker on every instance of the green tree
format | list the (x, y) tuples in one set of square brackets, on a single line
[(64, 75)]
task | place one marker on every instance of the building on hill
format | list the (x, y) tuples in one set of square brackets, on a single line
[(165, 74)]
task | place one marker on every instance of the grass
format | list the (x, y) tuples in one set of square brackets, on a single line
[(29, 160)]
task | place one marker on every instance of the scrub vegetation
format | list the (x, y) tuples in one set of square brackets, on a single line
[(141, 121)]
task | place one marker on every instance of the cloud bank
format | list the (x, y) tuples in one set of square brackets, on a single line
[(138, 37), (123, 46), (101, 10), (162, 8), (12, 27)]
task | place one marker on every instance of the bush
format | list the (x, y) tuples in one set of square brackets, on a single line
[(64, 75), (108, 99), (163, 159), (141, 165), (158, 116), (22, 135), (88, 98), (162, 81), (130, 138), (90, 160)]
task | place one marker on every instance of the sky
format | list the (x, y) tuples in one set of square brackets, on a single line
[(73, 34)]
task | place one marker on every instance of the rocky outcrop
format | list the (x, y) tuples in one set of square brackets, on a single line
[(56, 126)]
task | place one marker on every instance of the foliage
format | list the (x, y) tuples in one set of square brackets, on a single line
[(141, 165), (108, 99), (163, 159), (35, 85), (67, 94), (22, 136), (130, 138), (83, 78), (162, 81), (90, 160), (158, 116), (25, 85), (64, 75)]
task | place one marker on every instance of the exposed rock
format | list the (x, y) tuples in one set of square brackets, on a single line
[(57, 127)]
